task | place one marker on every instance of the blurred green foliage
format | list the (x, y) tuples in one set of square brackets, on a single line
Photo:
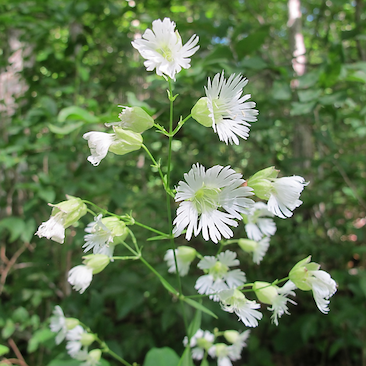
[(78, 66)]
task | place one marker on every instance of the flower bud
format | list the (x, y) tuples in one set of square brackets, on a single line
[(117, 227), (261, 182), (97, 262), (71, 210), (265, 292), (125, 142), (231, 336), (71, 323), (186, 254), (247, 245), (299, 274), (95, 355), (201, 113), (87, 339), (134, 119)]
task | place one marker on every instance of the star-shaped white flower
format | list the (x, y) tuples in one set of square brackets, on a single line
[(234, 301), (163, 49), (80, 277), (210, 201), (58, 324), (285, 195), (219, 277), (307, 276), (74, 337), (229, 110), (200, 343), (257, 224), (184, 255)]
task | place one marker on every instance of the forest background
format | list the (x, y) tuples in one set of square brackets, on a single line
[(58, 55)]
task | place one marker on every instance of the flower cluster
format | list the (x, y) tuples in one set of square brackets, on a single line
[(78, 339), (203, 343)]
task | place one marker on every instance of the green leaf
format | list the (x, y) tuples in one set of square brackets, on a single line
[(199, 306), (69, 362), (76, 113), (252, 42), (186, 359), (39, 337), (302, 108), (66, 129), (3, 350), (15, 225), (161, 357), (308, 95), (8, 329), (281, 91), (167, 285), (255, 63), (195, 324)]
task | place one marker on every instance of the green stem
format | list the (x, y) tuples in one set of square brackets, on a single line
[(152, 229), (120, 359), (172, 242)]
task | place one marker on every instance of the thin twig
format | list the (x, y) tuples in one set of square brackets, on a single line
[(17, 352)]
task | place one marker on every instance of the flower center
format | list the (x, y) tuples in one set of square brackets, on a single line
[(206, 199), (166, 52), (218, 270)]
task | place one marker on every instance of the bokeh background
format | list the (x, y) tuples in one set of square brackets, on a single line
[(60, 54)]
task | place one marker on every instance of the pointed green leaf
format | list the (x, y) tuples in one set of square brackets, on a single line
[(199, 306), (76, 113), (161, 356)]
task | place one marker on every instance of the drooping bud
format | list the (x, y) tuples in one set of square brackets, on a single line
[(87, 339), (201, 113), (118, 228), (71, 323), (125, 142), (261, 182), (97, 262), (95, 355), (247, 245), (231, 336), (186, 254), (265, 292), (299, 274), (72, 209), (134, 119)]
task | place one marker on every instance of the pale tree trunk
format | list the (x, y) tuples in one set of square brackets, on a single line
[(303, 145)]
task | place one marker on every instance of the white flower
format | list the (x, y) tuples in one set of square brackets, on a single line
[(99, 236), (121, 142), (63, 215), (224, 353), (276, 297), (58, 324), (53, 229), (258, 248), (90, 358), (163, 50), (219, 277), (238, 341), (234, 301), (285, 195), (256, 225), (307, 276), (211, 200), (228, 109), (74, 337), (184, 255), (279, 305), (80, 277), (99, 143), (200, 343)]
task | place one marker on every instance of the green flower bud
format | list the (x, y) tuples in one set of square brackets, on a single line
[(96, 261), (300, 273), (247, 245), (71, 210), (261, 182), (186, 254), (87, 339), (200, 113), (135, 119), (265, 292), (95, 354), (127, 141), (71, 323), (204, 343), (231, 336), (117, 227)]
